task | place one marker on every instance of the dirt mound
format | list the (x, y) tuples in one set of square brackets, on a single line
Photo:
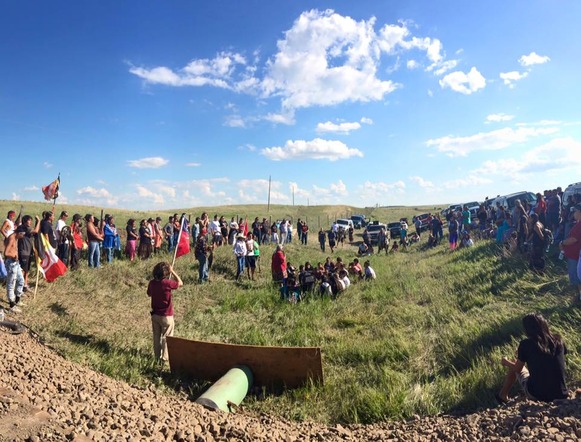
[(46, 398)]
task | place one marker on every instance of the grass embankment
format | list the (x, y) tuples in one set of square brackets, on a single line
[(425, 337)]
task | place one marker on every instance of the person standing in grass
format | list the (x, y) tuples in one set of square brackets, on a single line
[(201, 254), (240, 252), (94, 238), (571, 247), (322, 239), (160, 291), (132, 237), (543, 353)]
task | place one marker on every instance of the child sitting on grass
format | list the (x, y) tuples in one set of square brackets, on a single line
[(162, 321)]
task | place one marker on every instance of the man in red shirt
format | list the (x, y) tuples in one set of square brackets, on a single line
[(571, 247), (162, 322)]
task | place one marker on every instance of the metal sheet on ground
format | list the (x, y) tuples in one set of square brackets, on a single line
[(273, 367)]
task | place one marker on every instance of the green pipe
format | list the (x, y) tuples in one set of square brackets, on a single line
[(231, 388)]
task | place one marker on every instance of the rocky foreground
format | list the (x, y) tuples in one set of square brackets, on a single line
[(46, 398)]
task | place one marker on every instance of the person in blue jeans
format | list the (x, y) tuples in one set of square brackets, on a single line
[(110, 233), (201, 253), (14, 278), (94, 236), (240, 251)]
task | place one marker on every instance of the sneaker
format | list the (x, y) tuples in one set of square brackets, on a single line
[(25, 289), (21, 304), (15, 309)]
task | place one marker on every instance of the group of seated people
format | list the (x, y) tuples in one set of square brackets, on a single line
[(330, 278)]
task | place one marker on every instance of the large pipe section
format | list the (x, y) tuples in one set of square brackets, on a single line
[(230, 389)]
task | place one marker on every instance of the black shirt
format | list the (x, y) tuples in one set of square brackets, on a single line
[(48, 230), (25, 244), (547, 371)]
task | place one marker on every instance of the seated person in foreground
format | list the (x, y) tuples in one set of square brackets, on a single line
[(543, 378), (369, 272), (356, 269), (363, 249)]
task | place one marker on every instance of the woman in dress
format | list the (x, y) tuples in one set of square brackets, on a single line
[(132, 236)]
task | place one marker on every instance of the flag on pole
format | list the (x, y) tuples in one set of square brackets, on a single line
[(51, 192), (48, 263), (183, 247)]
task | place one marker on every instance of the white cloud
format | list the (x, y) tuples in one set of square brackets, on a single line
[(493, 140), (287, 118), (317, 149), (412, 64), (15, 197), (249, 147), (533, 58), (365, 120), (217, 72), (339, 187), (509, 78), (344, 128), (91, 191), (470, 181), (234, 121), (30, 189), (193, 164), (95, 196), (47, 165), (148, 163), (445, 66), (323, 59), (150, 196), (256, 191), (497, 118), (555, 156), (464, 83), (381, 192), (424, 184)]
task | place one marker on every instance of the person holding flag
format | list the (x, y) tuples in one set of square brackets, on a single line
[(183, 239)]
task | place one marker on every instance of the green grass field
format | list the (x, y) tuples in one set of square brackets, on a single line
[(426, 337)]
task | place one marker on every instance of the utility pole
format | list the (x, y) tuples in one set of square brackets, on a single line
[(293, 195), (268, 208)]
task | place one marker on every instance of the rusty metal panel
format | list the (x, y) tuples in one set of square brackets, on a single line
[(273, 367)]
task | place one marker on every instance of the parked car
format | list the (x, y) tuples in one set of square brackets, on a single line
[(373, 230), (345, 223), (509, 201), (473, 207), (359, 221), (424, 220), (394, 229), (572, 189)]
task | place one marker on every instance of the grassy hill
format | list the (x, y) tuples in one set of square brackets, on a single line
[(426, 337)]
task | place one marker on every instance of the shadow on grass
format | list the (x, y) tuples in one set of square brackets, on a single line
[(58, 309), (98, 344)]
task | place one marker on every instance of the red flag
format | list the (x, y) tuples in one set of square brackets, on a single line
[(183, 247), (51, 192), (49, 264)]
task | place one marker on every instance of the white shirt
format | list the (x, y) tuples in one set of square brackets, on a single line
[(369, 273), (240, 248), (215, 228), (59, 226), (346, 281)]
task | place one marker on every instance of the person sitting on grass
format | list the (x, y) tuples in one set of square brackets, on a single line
[(160, 291), (369, 272), (355, 268), (543, 353), (394, 247), (363, 249)]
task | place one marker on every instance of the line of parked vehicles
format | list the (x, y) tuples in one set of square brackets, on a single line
[(394, 228)]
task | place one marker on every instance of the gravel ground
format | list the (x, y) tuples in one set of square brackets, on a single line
[(43, 397)]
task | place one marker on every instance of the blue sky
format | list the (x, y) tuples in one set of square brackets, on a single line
[(154, 105)]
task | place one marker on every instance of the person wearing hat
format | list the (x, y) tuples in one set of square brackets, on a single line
[(240, 252), (571, 248)]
